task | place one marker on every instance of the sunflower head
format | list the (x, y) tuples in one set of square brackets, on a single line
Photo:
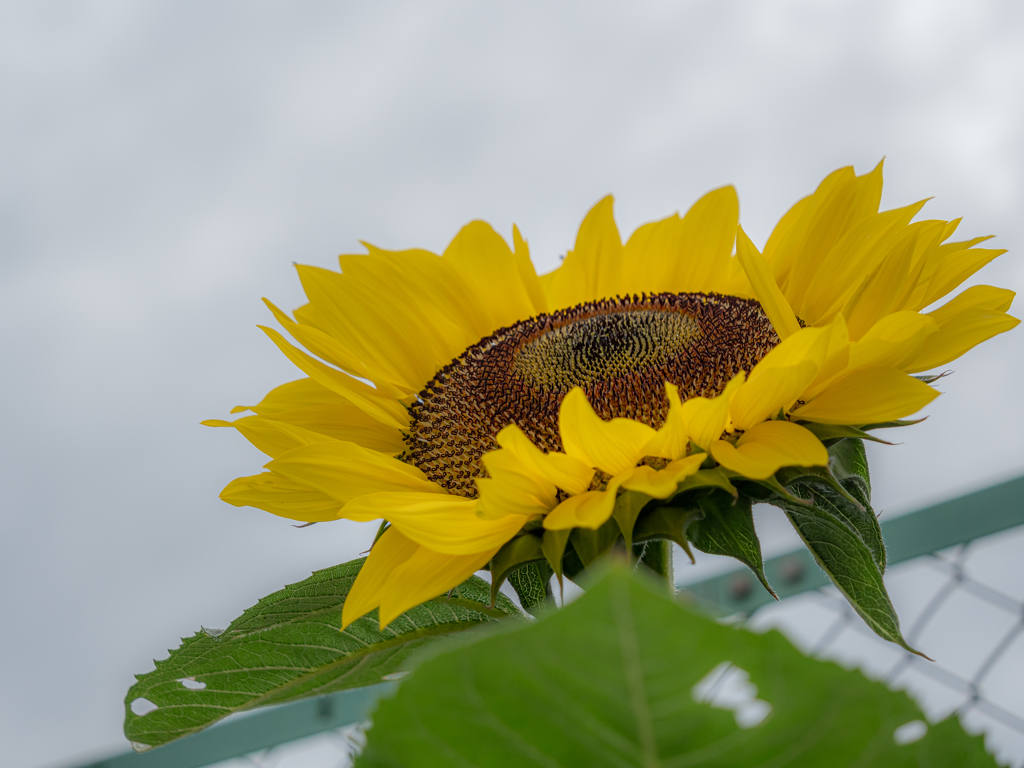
[(646, 391), (620, 351)]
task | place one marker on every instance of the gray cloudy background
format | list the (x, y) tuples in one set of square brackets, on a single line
[(162, 164)]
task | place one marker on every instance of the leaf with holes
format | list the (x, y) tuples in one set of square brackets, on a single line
[(288, 646), (625, 677)]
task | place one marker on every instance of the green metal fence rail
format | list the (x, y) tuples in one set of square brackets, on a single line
[(913, 535)]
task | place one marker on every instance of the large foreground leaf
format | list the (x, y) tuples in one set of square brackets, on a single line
[(288, 646), (620, 678)]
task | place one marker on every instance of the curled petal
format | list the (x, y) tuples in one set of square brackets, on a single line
[(568, 473), (612, 446), (764, 450), (662, 483), (705, 420), (586, 510)]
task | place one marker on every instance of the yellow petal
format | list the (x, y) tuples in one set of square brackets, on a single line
[(512, 488), (321, 344), (705, 420), (385, 410), (671, 440), (978, 297), (856, 254), (954, 268), (527, 272), (925, 270), (345, 471), (586, 510), (612, 446), (389, 552), (782, 375), (389, 339), (444, 523), (958, 335), (346, 422), (652, 258), (841, 202), (764, 450), (272, 437), (660, 484), (892, 341), (877, 293), (707, 235), (295, 394), (772, 390), (282, 497), (492, 273), (426, 575), (427, 286), (591, 270), (498, 500), (869, 396), (767, 291), (568, 473)]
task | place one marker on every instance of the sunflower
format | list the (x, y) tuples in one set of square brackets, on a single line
[(473, 405)]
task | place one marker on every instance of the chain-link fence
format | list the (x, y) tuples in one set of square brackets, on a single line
[(956, 579)]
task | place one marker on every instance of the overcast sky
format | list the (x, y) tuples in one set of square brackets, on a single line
[(162, 164)]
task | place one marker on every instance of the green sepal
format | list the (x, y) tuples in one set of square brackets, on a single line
[(572, 565), (707, 478), (553, 546), (656, 556), (667, 522), (727, 528), (518, 552), (772, 489), (532, 583), (895, 423), (849, 464), (590, 544), (627, 509), (788, 476), (826, 432), (931, 378)]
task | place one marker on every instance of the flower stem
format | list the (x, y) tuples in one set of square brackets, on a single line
[(656, 556)]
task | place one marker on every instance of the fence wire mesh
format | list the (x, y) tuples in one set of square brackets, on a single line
[(962, 606)]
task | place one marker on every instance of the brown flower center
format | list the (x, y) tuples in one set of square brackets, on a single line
[(621, 351)]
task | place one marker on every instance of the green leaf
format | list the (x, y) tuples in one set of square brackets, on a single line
[(848, 562), (532, 583), (288, 646), (591, 544), (620, 678), (627, 509), (553, 545), (727, 528), (667, 523)]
